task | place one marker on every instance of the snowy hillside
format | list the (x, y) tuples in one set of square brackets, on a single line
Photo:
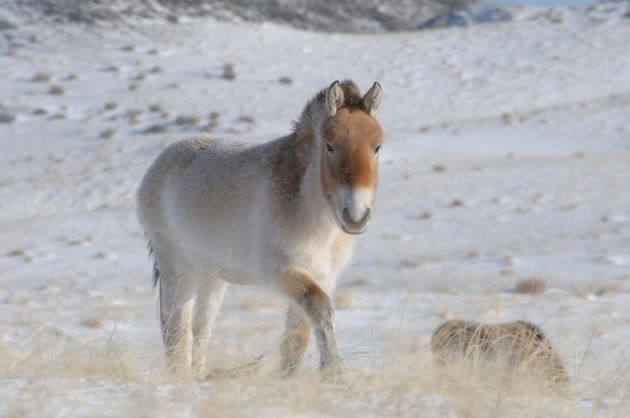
[(507, 157)]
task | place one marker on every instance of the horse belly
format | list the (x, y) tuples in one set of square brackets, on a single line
[(212, 225), (217, 244)]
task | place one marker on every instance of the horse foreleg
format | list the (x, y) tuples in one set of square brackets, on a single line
[(300, 287), (294, 340)]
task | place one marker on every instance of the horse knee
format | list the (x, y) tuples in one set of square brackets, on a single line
[(318, 306), (307, 294)]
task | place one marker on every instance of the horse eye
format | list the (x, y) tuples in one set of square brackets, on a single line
[(377, 149), (329, 148)]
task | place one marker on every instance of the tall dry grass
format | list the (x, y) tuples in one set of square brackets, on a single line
[(110, 375)]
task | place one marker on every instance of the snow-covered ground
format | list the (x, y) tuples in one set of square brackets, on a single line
[(507, 157)]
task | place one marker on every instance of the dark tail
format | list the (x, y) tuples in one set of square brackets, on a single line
[(156, 270), (156, 281)]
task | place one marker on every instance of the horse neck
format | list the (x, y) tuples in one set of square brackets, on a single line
[(295, 161), (311, 190), (314, 205)]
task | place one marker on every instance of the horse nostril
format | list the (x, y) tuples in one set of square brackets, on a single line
[(355, 225)]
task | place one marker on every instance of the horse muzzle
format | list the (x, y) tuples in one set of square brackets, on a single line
[(352, 226)]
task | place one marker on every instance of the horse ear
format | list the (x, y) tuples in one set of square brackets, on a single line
[(334, 98), (372, 99)]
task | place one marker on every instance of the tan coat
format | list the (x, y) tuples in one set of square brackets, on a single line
[(278, 214)]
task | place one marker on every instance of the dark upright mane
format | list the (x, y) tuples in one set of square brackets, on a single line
[(351, 94), (352, 98)]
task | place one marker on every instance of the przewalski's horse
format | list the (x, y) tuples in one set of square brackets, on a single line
[(280, 214)]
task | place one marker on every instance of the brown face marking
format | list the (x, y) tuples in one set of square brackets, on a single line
[(354, 135)]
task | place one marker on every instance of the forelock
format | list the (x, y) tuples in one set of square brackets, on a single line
[(351, 94), (316, 107)]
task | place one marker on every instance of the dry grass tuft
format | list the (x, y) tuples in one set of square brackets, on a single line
[(41, 77), (210, 126), (246, 119), (107, 133), (285, 80), (56, 90), (511, 347), (17, 252), (229, 73), (156, 128), (186, 120), (409, 262), (123, 380), (133, 115), (110, 360), (6, 117), (531, 286), (91, 323)]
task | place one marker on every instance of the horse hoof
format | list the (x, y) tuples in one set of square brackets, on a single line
[(332, 372)]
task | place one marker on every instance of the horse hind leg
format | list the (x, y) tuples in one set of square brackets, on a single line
[(294, 340), (209, 296), (177, 286)]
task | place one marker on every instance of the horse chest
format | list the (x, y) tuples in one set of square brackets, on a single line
[(322, 258)]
